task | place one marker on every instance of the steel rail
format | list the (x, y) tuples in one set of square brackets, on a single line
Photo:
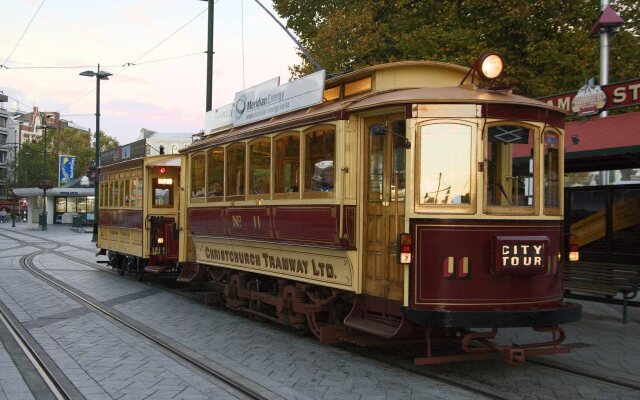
[(28, 264), (558, 366), (56, 388)]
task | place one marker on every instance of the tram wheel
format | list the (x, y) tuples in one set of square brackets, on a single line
[(140, 270)]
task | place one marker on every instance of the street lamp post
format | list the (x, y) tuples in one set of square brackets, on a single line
[(100, 75), (15, 179), (15, 182), (45, 183)]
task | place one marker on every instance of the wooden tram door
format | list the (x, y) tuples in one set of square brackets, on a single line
[(385, 163)]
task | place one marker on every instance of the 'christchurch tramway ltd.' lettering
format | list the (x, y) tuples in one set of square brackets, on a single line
[(266, 260)]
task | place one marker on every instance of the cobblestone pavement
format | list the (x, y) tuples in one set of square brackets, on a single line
[(106, 361)]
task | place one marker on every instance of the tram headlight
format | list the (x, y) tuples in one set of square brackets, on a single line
[(489, 66), (574, 253)]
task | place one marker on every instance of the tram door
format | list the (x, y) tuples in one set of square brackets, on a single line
[(384, 198)]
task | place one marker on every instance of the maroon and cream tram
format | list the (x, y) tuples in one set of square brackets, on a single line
[(410, 203)]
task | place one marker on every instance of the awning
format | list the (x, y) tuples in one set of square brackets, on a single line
[(603, 143)]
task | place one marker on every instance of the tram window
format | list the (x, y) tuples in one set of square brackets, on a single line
[(399, 159), (551, 172), (235, 169), (121, 197), (445, 164), (138, 190), (260, 167), (319, 173), (110, 194), (510, 169), (215, 174), (197, 177), (162, 192), (287, 164), (127, 193)]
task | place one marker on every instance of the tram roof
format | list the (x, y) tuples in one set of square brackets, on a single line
[(404, 75)]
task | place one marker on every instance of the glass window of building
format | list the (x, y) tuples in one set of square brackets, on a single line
[(287, 163), (235, 169), (197, 177), (81, 205), (320, 158), (260, 167), (510, 172), (71, 204), (215, 174), (551, 172), (445, 164), (61, 204)]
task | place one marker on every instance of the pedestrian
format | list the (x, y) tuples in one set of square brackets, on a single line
[(3, 215)]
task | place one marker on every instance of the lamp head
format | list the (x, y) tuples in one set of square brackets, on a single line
[(104, 75), (489, 66)]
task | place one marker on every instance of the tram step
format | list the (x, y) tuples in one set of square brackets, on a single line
[(157, 269), (377, 328)]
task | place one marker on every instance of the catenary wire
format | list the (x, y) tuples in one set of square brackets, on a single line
[(22, 36)]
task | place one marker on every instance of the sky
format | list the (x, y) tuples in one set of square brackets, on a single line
[(165, 90)]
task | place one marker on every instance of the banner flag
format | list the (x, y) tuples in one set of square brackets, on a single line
[(66, 167)]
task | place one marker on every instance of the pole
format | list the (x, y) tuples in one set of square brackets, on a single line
[(96, 193), (45, 183), (604, 55), (210, 57), (15, 182)]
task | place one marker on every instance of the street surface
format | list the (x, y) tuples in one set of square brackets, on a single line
[(104, 360)]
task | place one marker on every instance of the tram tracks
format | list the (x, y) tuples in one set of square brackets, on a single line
[(235, 384), (447, 376), (51, 385)]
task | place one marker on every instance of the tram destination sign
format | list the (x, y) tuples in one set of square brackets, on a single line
[(520, 254)]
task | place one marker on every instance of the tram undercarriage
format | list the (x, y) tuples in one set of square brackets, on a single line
[(323, 311)]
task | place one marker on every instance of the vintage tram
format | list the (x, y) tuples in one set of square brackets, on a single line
[(139, 207), (410, 203)]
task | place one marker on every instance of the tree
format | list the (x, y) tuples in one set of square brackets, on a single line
[(69, 141), (545, 43)]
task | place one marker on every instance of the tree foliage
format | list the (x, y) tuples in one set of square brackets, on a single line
[(545, 43), (31, 158)]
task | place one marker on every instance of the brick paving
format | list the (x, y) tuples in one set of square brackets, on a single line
[(105, 361)]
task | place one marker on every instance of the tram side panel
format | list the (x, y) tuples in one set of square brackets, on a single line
[(120, 224)]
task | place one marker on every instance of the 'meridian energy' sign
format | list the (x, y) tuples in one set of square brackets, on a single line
[(265, 101)]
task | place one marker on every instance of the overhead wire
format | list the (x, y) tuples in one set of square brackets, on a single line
[(128, 64), (4, 64), (135, 62)]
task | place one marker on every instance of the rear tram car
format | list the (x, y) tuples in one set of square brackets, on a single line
[(139, 203), (410, 203)]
